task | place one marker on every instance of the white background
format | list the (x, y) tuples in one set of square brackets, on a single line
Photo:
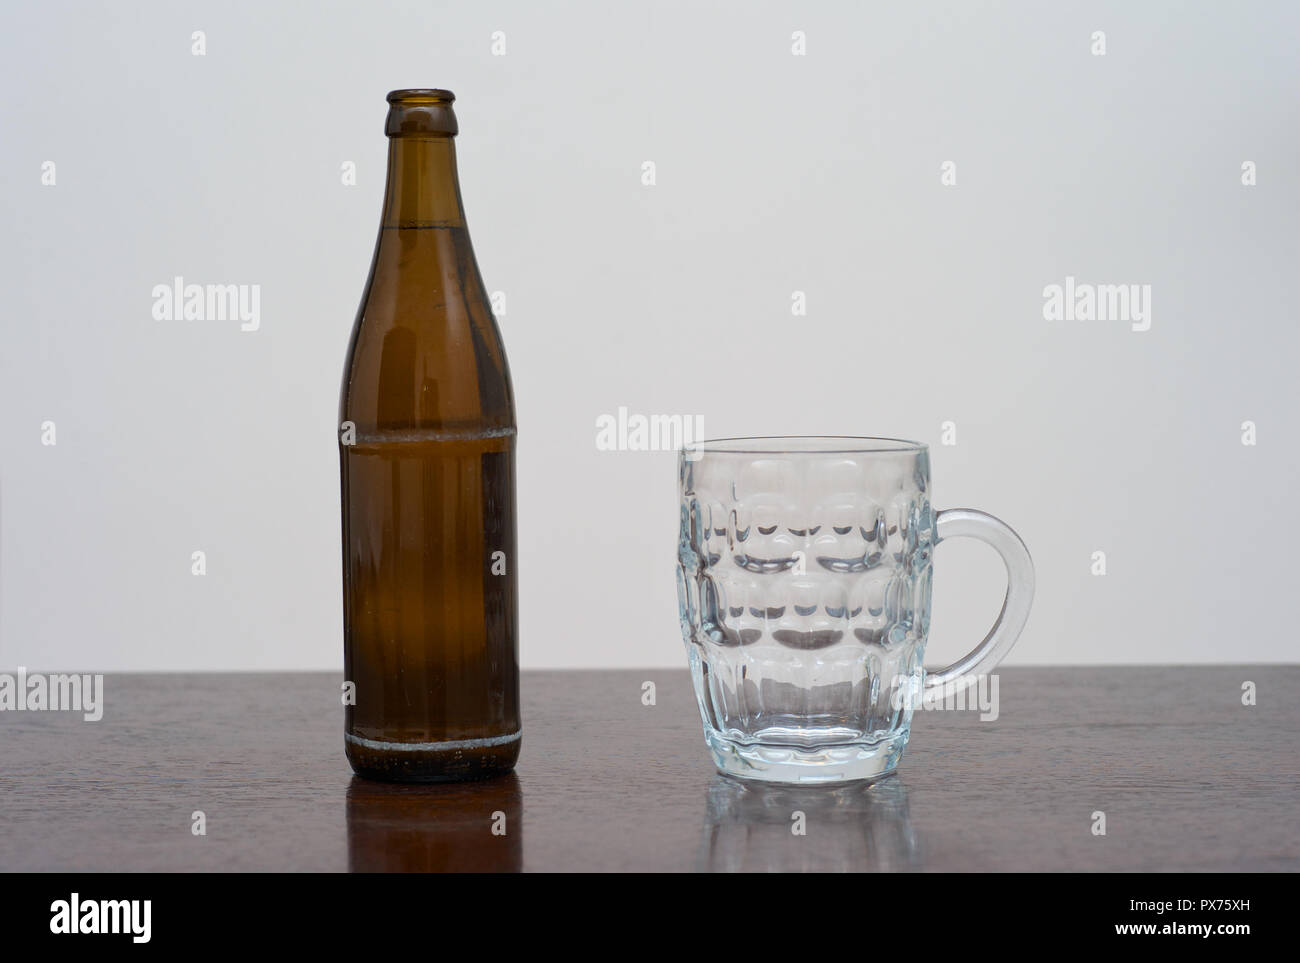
[(775, 173)]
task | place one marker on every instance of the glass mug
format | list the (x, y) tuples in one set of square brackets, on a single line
[(804, 567)]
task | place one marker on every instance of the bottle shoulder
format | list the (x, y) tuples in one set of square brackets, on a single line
[(426, 351)]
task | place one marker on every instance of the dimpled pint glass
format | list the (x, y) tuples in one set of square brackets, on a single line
[(804, 568)]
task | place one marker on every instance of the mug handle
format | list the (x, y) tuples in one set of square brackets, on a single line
[(958, 522)]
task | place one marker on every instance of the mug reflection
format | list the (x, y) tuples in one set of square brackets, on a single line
[(752, 828), (433, 828)]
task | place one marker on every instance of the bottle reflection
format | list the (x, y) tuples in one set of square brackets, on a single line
[(750, 828), (435, 828)]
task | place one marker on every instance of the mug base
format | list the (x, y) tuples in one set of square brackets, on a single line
[(825, 765)]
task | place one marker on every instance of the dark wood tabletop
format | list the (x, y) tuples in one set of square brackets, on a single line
[(1189, 779)]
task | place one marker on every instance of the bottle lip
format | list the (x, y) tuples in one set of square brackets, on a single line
[(421, 112), (421, 95)]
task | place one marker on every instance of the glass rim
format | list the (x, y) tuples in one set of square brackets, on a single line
[(806, 445)]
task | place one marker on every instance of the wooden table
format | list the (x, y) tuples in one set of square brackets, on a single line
[(1188, 778)]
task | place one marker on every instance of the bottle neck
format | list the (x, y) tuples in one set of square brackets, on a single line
[(423, 188)]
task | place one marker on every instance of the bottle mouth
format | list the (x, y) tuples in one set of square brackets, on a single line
[(421, 112), (421, 95)]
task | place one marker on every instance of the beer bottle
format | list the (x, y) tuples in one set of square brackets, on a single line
[(427, 451)]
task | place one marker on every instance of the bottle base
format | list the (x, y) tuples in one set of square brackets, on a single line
[(460, 761)]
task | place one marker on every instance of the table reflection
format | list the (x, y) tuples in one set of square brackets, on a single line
[(435, 828), (860, 828)]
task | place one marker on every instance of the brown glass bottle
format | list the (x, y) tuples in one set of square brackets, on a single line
[(427, 446)]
